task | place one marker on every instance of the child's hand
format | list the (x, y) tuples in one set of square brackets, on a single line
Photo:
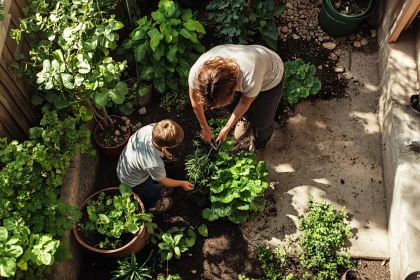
[(167, 154), (186, 186)]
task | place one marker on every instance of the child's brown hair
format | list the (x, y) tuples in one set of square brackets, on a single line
[(167, 133), (216, 82)]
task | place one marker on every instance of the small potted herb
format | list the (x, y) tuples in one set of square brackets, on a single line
[(113, 222)]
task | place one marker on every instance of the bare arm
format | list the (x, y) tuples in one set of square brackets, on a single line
[(238, 112), (171, 183), (206, 133)]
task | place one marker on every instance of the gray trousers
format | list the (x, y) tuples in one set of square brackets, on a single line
[(261, 113)]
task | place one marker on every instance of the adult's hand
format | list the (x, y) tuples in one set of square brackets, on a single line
[(207, 135), (222, 135)]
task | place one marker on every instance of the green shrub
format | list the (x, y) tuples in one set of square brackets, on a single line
[(173, 242), (129, 269), (231, 21), (264, 16), (166, 46), (300, 81)]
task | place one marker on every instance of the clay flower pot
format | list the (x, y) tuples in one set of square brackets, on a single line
[(132, 247), (113, 152)]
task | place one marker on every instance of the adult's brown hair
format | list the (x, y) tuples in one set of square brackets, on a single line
[(167, 133), (216, 82)]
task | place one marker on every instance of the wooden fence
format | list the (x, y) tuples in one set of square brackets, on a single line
[(16, 112)]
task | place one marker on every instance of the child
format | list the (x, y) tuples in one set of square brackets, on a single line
[(141, 167)]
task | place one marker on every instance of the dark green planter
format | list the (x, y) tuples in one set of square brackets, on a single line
[(338, 25)]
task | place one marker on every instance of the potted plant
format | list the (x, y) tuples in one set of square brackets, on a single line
[(415, 103), (72, 66), (113, 222), (344, 17)]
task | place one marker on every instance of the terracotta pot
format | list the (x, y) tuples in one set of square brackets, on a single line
[(112, 153), (133, 247), (415, 103)]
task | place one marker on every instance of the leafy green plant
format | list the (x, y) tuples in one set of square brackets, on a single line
[(237, 185), (231, 21), (174, 242), (34, 171), (166, 46), (216, 125), (129, 269), (21, 250), (300, 80), (169, 277), (197, 166), (202, 229), (322, 254), (70, 62), (264, 17), (112, 215)]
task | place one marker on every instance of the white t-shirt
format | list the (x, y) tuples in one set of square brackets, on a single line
[(140, 159), (261, 69)]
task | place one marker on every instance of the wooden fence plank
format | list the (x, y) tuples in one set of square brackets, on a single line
[(7, 6), (10, 104), (3, 31), (6, 61), (4, 133), (413, 16), (11, 125), (21, 3), (407, 11), (17, 95)]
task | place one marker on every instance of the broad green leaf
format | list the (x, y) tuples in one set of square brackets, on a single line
[(138, 34), (119, 92), (14, 251), (4, 234), (190, 242), (45, 258), (103, 218), (194, 25), (278, 10), (189, 35), (159, 52), (169, 7), (101, 98), (7, 267), (252, 17), (209, 215), (258, 204), (155, 37), (9, 223), (186, 14), (239, 217), (178, 237), (168, 238), (158, 16), (60, 103), (67, 80), (177, 251), (118, 25), (140, 51), (191, 234), (202, 229)]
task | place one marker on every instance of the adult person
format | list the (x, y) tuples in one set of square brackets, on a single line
[(248, 78)]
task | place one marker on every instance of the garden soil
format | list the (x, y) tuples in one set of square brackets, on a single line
[(328, 147)]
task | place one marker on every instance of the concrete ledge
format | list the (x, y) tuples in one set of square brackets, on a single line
[(399, 80), (78, 184)]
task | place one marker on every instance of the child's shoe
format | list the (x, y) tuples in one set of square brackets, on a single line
[(163, 205)]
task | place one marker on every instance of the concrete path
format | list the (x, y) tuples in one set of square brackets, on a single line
[(330, 151)]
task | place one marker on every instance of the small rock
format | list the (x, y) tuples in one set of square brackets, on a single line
[(304, 37), (357, 44), (290, 12), (338, 52), (295, 36), (124, 118), (364, 42), (305, 23), (289, 25), (127, 122), (117, 132), (284, 29), (353, 37), (359, 36), (373, 33), (131, 125), (333, 57), (134, 128), (320, 39), (124, 128), (302, 6), (320, 67), (329, 45), (289, 5), (308, 37), (138, 125), (339, 69), (142, 110)]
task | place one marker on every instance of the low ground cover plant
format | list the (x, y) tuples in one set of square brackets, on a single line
[(112, 215), (322, 255), (173, 242), (300, 81), (235, 182)]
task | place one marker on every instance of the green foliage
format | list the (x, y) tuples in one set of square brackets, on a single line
[(237, 185), (21, 250), (216, 125), (264, 17), (175, 99), (202, 229), (166, 46), (129, 269), (174, 242), (169, 277), (70, 46), (230, 20), (197, 166), (35, 169), (324, 231), (2, 14), (112, 215), (300, 80)]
